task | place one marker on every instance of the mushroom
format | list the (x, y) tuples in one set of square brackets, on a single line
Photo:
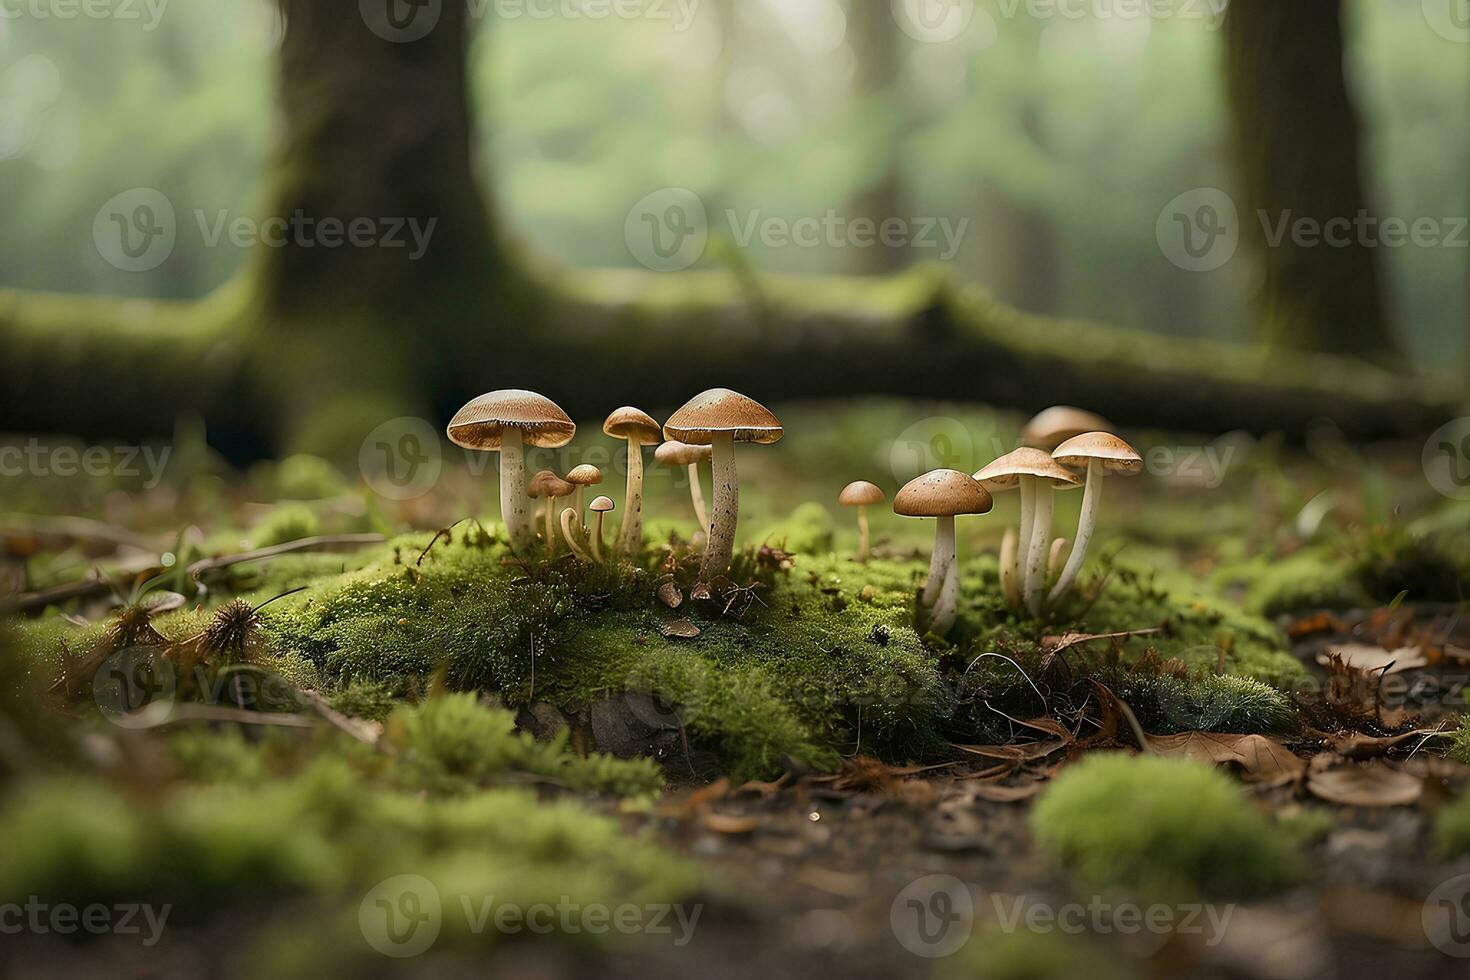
[(568, 516), (676, 453), (719, 418), (1099, 453), (550, 486), (599, 506), (1053, 426), (640, 429), (860, 494), (941, 494), (582, 477), (1037, 475), (1010, 585)]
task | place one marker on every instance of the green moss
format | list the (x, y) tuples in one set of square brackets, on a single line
[(1165, 828), (368, 700), (1165, 705), (1306, 580), (1452, 827), (807, 531), (1022, 955), (1460, 751), (288, 522)]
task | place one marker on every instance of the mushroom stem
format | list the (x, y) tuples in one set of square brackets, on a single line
[(567, 517), (941, 591), (630, 533), (1035, 588), (1008, 584), (515, 506), (577, 503), (1054, 560), (696, 496), (863, 549), (726, 514), (1086, 521), (596, 537), (1023, 548)]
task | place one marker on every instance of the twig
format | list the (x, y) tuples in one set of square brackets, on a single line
[(324, 542), (76, 528)]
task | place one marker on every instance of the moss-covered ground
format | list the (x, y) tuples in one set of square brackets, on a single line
[(386, 683)]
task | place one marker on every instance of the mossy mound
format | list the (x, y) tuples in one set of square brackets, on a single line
[(1452, 823), (1056, 955), (1166, 829)]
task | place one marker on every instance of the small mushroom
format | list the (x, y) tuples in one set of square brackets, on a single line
[(1100, 453), (719, 418), (1037, 475), (1053, 426), (941, 494), (568, 518), (599, 506), (676, 453), (861, 494), (1010, 584), (507, 421), (640, 429), (546, 484), (582, 477)]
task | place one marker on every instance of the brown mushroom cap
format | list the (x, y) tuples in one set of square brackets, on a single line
[(861, 492), (941, 493), (676, 453), (1112, 453), (1005, 473), (602, 505), (480, 424), (723, 410), (1053, 426), (633, 424), (585, 475), (547, 484)]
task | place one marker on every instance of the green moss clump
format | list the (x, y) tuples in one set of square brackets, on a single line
[(288, 522), (1452, 823), (1022, 955), (454, 743), (1307, 580), (1166, 705), (1165, 828), (368, 700), (1460, 751), (807, 531)]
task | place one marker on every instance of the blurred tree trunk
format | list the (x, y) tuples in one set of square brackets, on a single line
[(878, 84), (1296, 136)]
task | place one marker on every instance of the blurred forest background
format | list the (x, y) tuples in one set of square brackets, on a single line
[(1061, 138)]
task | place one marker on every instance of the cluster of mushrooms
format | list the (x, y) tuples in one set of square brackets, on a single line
[(1063, 448), (705, 429)]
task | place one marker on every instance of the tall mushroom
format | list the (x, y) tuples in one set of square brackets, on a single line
[(582, 477), (507, 421), (1037, 475), (676, 453), (1053, 426), (861, 494), (599, 506), (719, 418), (640, 429), (941, 494), (1100, 453)]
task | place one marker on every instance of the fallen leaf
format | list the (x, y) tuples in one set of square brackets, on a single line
[(669, 594), (1002, 793), (679, 629), (726, 823), (1052, 645), (1373, 659), (1371, 785), (1258, 759), (1368, 747)]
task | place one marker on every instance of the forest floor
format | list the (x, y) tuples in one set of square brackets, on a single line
[(1238, 751)]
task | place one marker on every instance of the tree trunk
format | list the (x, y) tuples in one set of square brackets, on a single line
[(874, 36), (1296, 136)]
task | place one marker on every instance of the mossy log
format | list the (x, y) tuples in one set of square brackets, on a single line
[(125, 368)]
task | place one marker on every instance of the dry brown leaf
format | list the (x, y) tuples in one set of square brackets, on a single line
[(1258, 759), (681, 629), (727, 823), (1368, 747), (1371, 785), (1373, 659), (669, 594), (1001, 793)]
